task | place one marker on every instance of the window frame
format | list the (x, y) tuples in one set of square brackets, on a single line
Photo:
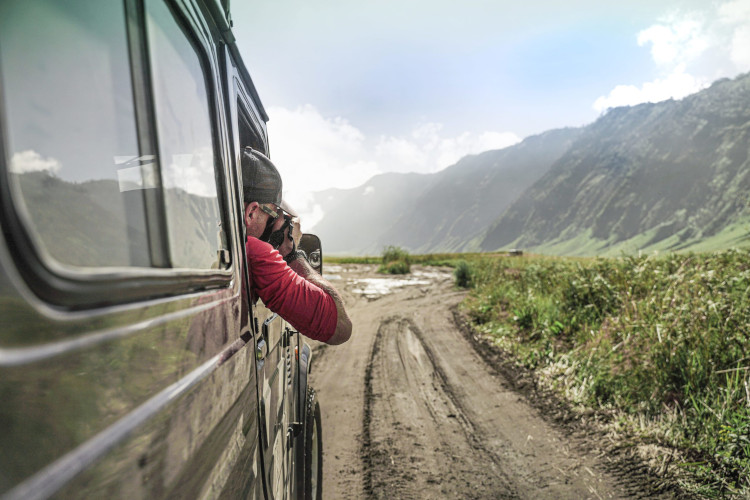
[(191, 27), (84, 288)]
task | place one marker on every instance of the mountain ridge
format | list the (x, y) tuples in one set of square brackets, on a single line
[(672, 169), (442, 211), (671, 175)]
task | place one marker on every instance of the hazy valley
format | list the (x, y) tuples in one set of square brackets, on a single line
[(667, 176)]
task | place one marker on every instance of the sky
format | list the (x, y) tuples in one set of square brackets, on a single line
[(358, 88)]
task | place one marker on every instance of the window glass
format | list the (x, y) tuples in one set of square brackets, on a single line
[(72, 158), (248, 137), (185, 143)]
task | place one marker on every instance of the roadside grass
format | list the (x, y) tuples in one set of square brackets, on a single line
[(660, 343), (664, 342), (433, 259)]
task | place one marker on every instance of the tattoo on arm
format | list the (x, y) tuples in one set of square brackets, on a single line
[(303, 268)]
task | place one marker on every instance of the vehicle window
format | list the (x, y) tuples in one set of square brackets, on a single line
[(248, 137), (73, 160), (186, 148)]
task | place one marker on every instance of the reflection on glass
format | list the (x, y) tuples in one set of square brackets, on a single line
[(314, 258), (185, 143), (69, 107)]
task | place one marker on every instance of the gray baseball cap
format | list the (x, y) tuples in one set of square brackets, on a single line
[(261, 180)]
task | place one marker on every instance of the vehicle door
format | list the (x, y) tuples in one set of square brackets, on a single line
[(122, 372), (272, 349)]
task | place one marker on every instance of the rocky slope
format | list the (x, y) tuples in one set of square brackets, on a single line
[(668, 175)]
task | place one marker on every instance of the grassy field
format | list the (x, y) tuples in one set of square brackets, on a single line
[(433, 259), (662, 343), (735, 235)]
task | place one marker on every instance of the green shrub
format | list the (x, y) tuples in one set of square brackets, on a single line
[(393, 253), (395, 267), (395, 260), (462, 274)]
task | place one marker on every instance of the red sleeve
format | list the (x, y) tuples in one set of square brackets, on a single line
[(306, 306)]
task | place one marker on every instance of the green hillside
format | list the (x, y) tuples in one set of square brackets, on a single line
[(668, 176)]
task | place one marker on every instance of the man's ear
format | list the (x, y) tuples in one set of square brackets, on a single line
[(249, 209)]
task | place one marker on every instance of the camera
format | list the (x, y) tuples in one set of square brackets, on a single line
[(277, 237)]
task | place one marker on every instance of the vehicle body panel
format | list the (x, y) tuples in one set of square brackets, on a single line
[(145, 382)]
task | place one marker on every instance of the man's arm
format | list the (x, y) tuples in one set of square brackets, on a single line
[(343, 324), (300, 266), (307, 307)]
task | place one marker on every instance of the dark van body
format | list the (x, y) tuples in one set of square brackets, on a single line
[(133, 361)]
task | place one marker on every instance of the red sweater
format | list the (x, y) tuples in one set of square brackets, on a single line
[(306, 306)]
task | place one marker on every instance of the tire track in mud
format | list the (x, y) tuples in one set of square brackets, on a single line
[(417, 440), (633, 477), (417, 405)]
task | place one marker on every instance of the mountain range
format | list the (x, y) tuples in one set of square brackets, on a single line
[(657, 176), (443, 211)]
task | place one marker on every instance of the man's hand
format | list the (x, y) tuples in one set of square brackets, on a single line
[(287, 246)]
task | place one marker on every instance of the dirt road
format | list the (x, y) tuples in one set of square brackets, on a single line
[(411, 410)]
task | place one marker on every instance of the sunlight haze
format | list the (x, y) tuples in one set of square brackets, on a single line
[(356, 89)]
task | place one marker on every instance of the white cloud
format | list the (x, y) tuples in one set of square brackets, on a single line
[(426, 150), (734, 12), (192, 172), (740, 49), (735, 15), (734, 19), (31, 161), (318, 152), (402, 154), (314, 152), (675, 86), (677, 41), (428, 133), (689, 51), (453, 149)]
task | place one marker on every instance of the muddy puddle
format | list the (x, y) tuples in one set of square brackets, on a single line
[(374, 288)]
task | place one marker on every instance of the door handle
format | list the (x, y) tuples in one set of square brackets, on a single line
[(261, 349), (270, 319), (266, 332)]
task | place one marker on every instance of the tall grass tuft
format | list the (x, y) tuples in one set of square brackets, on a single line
[(395, 260), (462, 274)]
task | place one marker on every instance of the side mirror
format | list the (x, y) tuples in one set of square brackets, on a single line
[(310, 244)]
